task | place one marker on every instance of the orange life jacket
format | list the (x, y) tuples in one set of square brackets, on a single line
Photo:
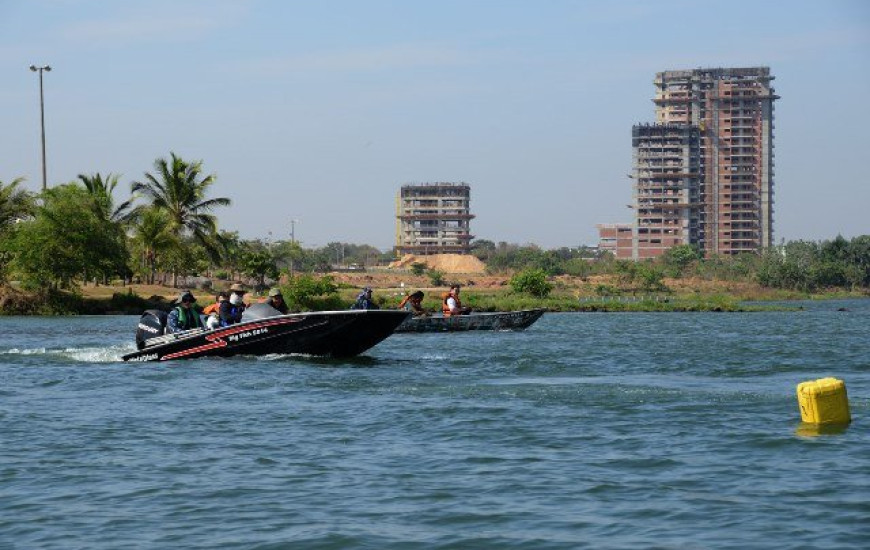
[(446, 309), (212, 308)]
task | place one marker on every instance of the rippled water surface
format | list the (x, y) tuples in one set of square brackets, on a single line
[(585, 431)]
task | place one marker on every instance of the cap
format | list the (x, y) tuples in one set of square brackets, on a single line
[(236, 287), (186, 296), (275, 292)]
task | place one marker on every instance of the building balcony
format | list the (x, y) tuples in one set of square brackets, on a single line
[(441, 216)]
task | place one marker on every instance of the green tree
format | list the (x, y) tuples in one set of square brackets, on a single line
[(179, 188), (678, 258), (532, 281), (66, 241), (152, 235), (260, 265), (102, 195), (306, 293), (15, 203)]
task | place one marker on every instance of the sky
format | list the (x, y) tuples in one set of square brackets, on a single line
[(312, 115)]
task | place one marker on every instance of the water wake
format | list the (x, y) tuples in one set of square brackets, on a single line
[(109, 354)]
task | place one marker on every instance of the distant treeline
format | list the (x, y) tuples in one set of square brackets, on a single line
[(166, 228), (796, 265)]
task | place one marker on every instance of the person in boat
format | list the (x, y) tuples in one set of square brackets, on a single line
[(276, 300), (414, 303), (184, 316), (230, 311), (212, 312), (364, 300), (214, 308), (452, 305)]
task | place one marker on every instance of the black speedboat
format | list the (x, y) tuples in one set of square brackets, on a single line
[(264, 330)]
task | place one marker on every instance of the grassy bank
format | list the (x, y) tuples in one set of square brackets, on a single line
[(481, 293)]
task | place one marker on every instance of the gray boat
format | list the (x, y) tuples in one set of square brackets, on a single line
[(499, 320)]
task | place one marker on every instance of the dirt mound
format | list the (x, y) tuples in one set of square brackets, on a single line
[(446, 263)]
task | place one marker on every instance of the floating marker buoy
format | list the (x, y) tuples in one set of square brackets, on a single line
[(824, 401)]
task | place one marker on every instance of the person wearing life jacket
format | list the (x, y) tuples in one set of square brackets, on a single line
[(184, 316), (216, 306), (230, 311), (213, 320), (452, 305)]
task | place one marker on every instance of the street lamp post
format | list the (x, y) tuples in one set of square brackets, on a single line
[(34, 68)]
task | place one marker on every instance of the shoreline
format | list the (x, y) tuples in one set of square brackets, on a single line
[(482, 294)]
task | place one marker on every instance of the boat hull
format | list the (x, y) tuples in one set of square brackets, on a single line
[(501, 320), (327, 333)]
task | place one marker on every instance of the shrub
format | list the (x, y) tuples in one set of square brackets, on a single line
[(532, 281), (307, 293), (436, 277)]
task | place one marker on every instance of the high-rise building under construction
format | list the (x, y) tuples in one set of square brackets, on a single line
[(433, 218), (703, 172)]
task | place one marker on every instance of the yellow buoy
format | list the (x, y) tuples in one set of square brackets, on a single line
[(824, 401)]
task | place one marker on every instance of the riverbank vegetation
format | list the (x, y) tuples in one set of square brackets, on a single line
[(86, 246)]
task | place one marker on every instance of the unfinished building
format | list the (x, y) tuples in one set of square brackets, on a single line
[(703, 173), (666, 187), (433, 218)]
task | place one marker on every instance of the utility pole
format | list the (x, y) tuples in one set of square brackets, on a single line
[(34, 68)]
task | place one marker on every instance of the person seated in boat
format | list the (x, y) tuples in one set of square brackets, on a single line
[(452, 305), (216, 306), (276, 300), (230, 311), (364, 300), (212, 312), (414, 303), (184, 316)]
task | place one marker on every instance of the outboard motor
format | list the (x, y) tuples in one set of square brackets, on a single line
[(151, 324)]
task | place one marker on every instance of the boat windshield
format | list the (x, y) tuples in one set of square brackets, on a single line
[(259, 311)]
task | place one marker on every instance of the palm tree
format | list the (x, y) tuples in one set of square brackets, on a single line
[(152, 233), (102, 193), (15, 203), (178, 188)]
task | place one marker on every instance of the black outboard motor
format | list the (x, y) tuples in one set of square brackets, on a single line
[(151, 324)]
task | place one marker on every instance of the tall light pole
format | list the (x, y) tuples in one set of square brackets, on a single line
[(34, 68)]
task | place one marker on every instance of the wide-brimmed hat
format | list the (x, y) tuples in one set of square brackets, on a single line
[(237, 288), (275, 292)]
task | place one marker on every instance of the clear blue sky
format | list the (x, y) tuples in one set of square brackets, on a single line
[(320, 111)]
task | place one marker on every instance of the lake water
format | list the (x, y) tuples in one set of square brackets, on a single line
[(590, 430)]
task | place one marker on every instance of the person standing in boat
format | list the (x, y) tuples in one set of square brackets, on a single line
[(414, 304), (276, 300), (364, 300), (231, 311), (452, 305), (184, 316)]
